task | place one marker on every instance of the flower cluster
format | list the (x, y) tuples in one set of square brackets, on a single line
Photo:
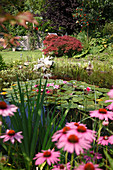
[(12, 135), (103, 113), (88, 166), (74, 137), (7, 110), (62, 166), (59, 45), (48, 85), (106, 115), (49, 155), (92, 157)]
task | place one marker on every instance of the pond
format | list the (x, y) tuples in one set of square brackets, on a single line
[(96, 75), (61, 94)]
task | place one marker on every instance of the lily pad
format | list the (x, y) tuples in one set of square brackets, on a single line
[(77, 99)]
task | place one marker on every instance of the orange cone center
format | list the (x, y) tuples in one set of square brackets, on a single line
[(89, 166), (47, 154), (11, 133), (65, 129), (73, 139), (76, 124), (62, 167), (81, 128), (102, 111), (3, 105)]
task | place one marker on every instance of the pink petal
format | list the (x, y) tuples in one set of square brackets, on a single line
[(40, 161)]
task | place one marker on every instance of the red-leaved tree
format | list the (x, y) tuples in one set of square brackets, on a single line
[(61, 45)]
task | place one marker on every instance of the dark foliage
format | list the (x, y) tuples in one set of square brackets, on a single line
[(60, 15)]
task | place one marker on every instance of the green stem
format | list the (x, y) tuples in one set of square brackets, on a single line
[(66, 155), (72, 158), (1, 124), (47, 167), (106, 159), (9, 149), (99, 132)]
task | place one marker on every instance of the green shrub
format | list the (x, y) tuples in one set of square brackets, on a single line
[(2, 63), (108, 29), (1, 48), (82, 37), (97, 45)]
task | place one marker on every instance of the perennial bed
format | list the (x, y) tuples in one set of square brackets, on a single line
[(56, 112), (71, 105)]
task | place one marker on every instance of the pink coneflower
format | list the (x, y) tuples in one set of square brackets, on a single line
[(87, 134), (49, 155), (7, 110), (110, 93), (82, 130), (62, 166), (93, 156), (88, 166), (60, 133), (110, 107), (12, 135), (73, 125), (102, 114), (73, 142), (104, 140)]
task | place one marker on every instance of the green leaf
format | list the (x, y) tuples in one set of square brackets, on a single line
[(109, 159), (81, 55), (42, 165), (77, 99)]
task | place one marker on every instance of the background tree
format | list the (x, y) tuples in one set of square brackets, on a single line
[(102, 8), (93, 15), (58, 14), (34, 6)]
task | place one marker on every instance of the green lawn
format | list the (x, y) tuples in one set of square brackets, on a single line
[(13, 56)]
